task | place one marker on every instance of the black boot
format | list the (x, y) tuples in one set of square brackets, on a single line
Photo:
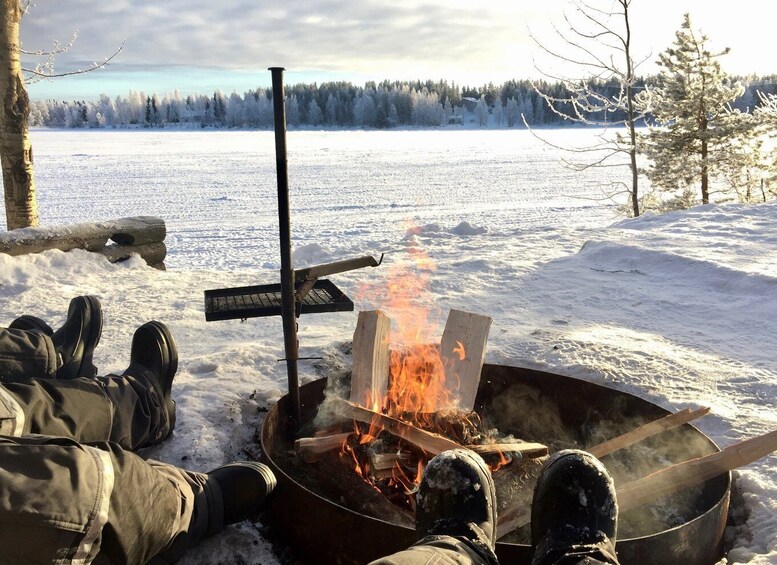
[(244, 486), (456, 497), (574, 510), (79, 335), (31, 324), (154, 360)]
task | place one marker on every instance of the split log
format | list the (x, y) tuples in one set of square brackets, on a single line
[(463, 349), (383, 461), (527, 450), (670, 480), (652, 428), (429, 442), (91, 236), (311, 449), (516, 516), (151, 253), (139, 230), (370, 374), (335, 473)]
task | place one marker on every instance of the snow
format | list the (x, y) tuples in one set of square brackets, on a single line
[(679, 309)]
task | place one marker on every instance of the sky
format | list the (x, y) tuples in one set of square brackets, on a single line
[(197, 46)]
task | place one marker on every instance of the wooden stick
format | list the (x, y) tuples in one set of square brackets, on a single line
[(312, 448), (652, 428), (370, 374), (695, 471), (463, 350), (526, 449), (670, 480), (429, 442), (383, 461), (514, 517)]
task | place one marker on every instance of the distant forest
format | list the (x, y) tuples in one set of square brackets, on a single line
[(342, 105)]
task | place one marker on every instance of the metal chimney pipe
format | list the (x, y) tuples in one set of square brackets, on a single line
[(288, 309)]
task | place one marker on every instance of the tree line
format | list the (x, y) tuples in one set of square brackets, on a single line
[(343, 105)]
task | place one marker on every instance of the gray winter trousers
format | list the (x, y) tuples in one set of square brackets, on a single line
[(67, 502), (121, 408), (80, 497)]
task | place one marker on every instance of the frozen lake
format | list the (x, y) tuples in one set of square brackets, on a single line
[(355, 190)]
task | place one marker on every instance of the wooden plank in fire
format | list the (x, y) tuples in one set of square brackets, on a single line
[(429, 442), (695, 471), (311, 449), (528, 450), (651, 428), (370, 373), (669, 480), (463, 349)]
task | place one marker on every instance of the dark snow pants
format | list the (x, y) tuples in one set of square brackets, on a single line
[(125, 409), (66, 502), (62, 501)]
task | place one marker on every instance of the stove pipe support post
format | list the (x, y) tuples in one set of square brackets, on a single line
[(288, 306)]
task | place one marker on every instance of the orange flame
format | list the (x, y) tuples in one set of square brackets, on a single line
[(460, 350)]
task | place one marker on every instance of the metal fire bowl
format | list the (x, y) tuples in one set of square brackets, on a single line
[(322, 531)]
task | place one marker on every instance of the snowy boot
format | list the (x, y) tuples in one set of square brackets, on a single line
[(154, 361), (574, 511), (457, 497), (79, 335)]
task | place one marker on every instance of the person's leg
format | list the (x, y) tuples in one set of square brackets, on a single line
[(455, 514), (574, 512), (24, 354), (62, 501), (29, 349), (134, 409)]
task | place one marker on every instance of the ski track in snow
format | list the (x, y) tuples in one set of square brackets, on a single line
[(680, 309)]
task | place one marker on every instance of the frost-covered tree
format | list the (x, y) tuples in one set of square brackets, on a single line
[(364, 111), (481, 111), (597, 40), (698, 135), (15, 147), (766, 117), (292, 110), (315, 116)]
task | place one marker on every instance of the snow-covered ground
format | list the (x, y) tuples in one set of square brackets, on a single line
[(680, 309)]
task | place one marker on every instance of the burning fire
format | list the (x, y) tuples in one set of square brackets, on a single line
[(417, 393)]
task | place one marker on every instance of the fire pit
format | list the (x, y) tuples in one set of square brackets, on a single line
[(685, 528)]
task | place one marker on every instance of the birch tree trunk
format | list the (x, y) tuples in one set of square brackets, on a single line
[(21, 209)]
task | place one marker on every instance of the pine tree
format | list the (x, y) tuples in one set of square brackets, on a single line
[(698, 132)]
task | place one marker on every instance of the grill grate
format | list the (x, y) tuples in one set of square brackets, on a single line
[(265, 300)]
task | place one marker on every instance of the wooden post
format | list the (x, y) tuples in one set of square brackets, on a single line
[(463, 350), (369, 377)]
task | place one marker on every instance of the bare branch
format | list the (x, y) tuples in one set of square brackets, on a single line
[(46, 70)]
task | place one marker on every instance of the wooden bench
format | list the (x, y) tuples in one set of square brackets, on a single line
[(115, 239)]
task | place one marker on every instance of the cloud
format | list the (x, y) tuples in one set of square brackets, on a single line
[(460, 40), (332, 35)]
